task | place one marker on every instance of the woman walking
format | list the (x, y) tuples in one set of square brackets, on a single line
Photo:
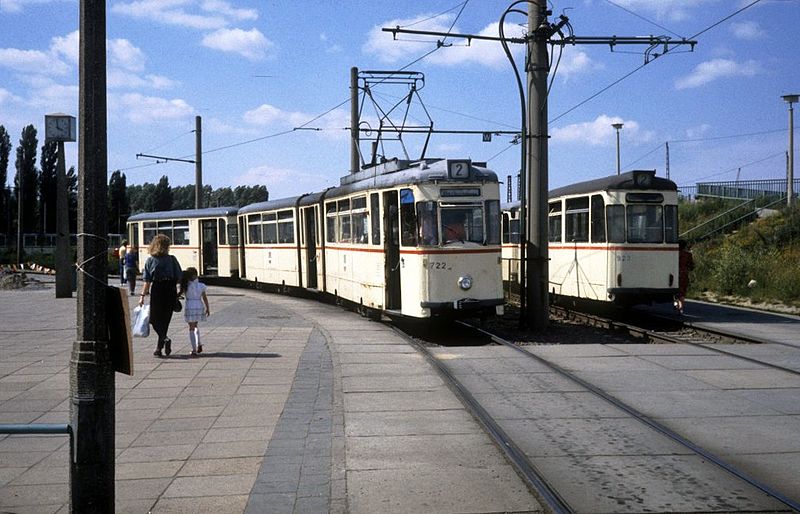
[(160, 275)]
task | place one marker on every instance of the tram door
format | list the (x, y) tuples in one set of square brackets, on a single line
[(208, 245), (391, 229), (242, 234), (311, 246)]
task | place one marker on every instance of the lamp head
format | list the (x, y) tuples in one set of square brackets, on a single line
[(791, 99), (617, 125)]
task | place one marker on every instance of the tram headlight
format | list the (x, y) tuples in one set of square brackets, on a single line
[(465, 282)]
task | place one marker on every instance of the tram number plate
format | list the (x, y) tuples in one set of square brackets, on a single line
[(623, 258), (434, 265)]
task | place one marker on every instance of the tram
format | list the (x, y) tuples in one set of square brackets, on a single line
[(611, 240), (206, 239)]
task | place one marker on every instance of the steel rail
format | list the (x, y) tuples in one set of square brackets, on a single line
[(661, 336), (655, 425), (536, 482)]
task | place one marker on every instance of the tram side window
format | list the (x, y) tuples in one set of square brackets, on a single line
[(670, 223), (180, 232), (233, 234), (221, 234), (150, 231), (345, 232), (554, 221), (269, 228), (506, 227), (254, 229), (577, 214), (375, 211), (615, 221), (360, 220), (492, 222), (427, 215), (408, 218), (330, 222), (645, 224), (286, 226), (598, 219), (165, 227)]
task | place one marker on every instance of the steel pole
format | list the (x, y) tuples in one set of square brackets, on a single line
[(537, 66), (790, 177), (91, 371), (355, 151), (64, 262), (198, 162), (618, 166)]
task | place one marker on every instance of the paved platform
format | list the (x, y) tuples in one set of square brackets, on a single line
[(294, 406)]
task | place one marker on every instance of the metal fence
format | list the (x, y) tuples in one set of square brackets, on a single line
[(738, 189)]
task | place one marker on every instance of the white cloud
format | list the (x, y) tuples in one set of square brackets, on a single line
[(333, 123), (672, 10), (148, 109), (283, 182), (716, 69), (7, 96), (225, 8), (67, 47), (747, 30), (249, 43), (125, 55), (599, 132), (31, 61), (170, 12), (574, 62), (121, 79), (698, 131)]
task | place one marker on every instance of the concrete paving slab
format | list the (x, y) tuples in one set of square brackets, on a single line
[(706, 402), (376, 383), (747, 379), (439, 399), (742, 434), (502, 406), (785, 401), (517, 382), (668, 483), (432, 489), (638, 380), (711, 362)]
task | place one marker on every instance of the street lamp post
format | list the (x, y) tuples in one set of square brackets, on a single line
[(617, 126), (790, 99)]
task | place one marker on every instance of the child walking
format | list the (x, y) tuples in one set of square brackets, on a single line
[(196, 309)]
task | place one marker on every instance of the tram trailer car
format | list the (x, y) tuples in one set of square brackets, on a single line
[(416, 239), (206, 239), (611, 240)]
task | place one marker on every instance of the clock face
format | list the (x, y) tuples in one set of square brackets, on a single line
[(59, 128)]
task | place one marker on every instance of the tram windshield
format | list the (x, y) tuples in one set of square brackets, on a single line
[(645, 224), (461, 223)]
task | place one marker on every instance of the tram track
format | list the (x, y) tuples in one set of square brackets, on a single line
[(527, 468), (676, 332)]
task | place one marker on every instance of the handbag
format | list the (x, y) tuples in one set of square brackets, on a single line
[(177, 307), (141, 321)]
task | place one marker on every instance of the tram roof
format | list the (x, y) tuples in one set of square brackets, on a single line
[(185, 213), (624, 181), (384, 175)]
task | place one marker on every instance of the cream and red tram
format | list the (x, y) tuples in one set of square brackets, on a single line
[(205, 239), (613, 239), (410, 238)]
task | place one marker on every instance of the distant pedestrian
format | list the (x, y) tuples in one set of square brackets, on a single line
[(196, 309), (123, 249), (161, 274), (685, 265), (131, 268)]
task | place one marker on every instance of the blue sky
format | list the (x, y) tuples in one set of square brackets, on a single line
[(255, 69)]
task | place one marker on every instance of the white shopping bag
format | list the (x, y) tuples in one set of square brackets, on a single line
[(141, 321)]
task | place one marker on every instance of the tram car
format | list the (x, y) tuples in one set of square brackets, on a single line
[(416, 239), (206, 239), (611, 240)]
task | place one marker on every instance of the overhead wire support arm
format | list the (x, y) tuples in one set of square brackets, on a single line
[(468, 37), (163, 159)]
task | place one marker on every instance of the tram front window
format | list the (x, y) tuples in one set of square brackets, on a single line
[(645, 224), (461, 224)]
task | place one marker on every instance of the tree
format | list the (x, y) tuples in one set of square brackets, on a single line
[(183, 197), (245, 195), (162, 197), (48, 191), (5, 193), (118, 204), (26, 169), (222, 197)]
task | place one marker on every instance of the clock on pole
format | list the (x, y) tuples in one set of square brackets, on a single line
[(60, 127)]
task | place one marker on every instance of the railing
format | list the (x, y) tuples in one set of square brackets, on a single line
[(732, 218), (745, 189)]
